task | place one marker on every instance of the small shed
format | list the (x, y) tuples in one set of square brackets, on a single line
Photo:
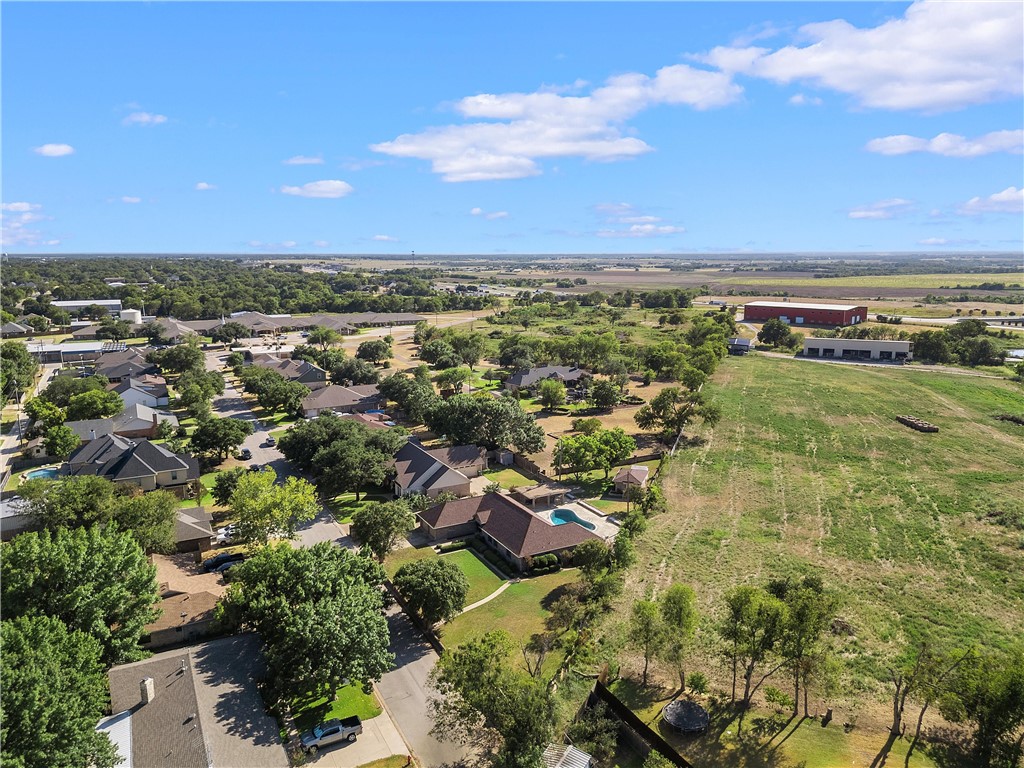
[(632, 478), (565, 756), (738, 346)]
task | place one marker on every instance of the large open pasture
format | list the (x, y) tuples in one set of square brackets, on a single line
[(809, 472)]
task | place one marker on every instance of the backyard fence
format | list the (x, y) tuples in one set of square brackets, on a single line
[(642, 737)]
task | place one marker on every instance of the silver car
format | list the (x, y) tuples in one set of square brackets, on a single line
[(331, 732)]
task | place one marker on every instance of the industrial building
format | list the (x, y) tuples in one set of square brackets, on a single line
[(113, 306), (859, 349), (804, 314)]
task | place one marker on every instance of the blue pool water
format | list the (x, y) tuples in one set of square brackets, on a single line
[(563, 516), (49, 473)]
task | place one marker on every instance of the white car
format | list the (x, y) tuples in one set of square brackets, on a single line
[(225, 534)]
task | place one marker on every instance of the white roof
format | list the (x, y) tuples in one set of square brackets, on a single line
[(88, 302), (119, 729), (69, 346), (805, 305)]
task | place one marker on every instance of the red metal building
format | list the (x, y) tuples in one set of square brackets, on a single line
[(804, 314)]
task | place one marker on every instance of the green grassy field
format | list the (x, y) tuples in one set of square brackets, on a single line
[(808, 472), (482, 580), (509, 478)]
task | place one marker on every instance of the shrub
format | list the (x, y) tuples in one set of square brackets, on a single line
[(697, 682), (452, 546), (586, 426)]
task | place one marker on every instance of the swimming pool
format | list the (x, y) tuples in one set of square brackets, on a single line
[(562, 516), (49, 473)]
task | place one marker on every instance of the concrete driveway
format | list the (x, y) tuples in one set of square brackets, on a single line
[(380, 738)]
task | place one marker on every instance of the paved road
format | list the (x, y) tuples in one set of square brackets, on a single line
[(405, 690), (10, 444)]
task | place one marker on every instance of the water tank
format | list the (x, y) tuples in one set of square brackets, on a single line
[(131, 315)]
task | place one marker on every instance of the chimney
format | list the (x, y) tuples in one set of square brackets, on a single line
[(92, 434), (148, 690)]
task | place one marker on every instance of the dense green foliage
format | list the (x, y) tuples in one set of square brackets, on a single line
[(264, 509), (435, 589), (381, 525), (17, 369)]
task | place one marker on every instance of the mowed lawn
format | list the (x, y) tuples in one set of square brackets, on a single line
[(482, 580), (809, 472), (520, 610)]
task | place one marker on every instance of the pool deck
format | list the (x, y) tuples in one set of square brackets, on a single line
[(603, 527)]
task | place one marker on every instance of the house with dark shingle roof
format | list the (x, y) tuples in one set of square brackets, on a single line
[(115, 366), (527, 380), (193, 529), (508, 527), (358, 398), (139, 462), (133, 421), (302, 371), (186, 617), (195, 707), (419, 470)]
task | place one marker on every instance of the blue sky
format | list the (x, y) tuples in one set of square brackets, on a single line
[(512, 127)]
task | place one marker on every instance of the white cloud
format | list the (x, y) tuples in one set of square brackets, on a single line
[(144, 118), (326, 188), (938, 56), (950, 144), (304, 160), (54, 150), (203, 186), (1010, 200), (527, 127), (15, 221), (385, 238), (803, 100), (320, 244), (272, 247), (883, 209), (640, 224), (933, 241), (130, 199), (489, 215)]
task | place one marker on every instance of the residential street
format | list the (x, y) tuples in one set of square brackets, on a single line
[(10, 444), (405, 688)]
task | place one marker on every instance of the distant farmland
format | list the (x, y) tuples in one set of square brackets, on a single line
[(879, 281), (808, 471)]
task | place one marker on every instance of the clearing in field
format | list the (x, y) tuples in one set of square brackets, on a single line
[(809, 472)]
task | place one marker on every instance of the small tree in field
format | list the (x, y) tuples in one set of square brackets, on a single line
[(551, 394), (436, 588), (646, 631)]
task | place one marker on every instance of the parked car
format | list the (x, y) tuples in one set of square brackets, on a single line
[(245, 454), (255, 467), (225, 534), (271, 441), (225, 567), (215, 562), (331, 732)]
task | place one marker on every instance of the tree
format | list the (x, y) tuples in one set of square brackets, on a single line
[(283, 395), (323, 337), (114, 329), (810, 611), (60, 441), (55, 691), (224, 484), (453, 378), (95, 580), (754, 628), (45, 413), (551, 393), (358, 458), (265, 510), (504, 424), (17, 368), (596, 733), (95, 404), (63, 388), (179, 358), (470, 347), (150, 517), (577, 454), (352, 370), (374, 350), (647, 631), (153, 332), (774, 332), (989, 692), (679, 613), (615, 447), (380, 525), (437, 350), (220, 437), (477, 689), (603, 394), (164, 430), (435, 589), (229, 332), (586, 426), (319, 611), (673, 409), (235, 360)]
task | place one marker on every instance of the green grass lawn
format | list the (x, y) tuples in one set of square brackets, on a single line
[(395, 761), (350, 701), (206, 500), (482, 580), (808, 472), (519, 610), (345, 505), (509, 477)]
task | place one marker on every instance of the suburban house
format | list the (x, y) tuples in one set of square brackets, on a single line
[(15, 329), (525, 381), (859, 349), (195, 707), (631, 479), (302, 371), (418, 470), (186, 617), (133, 421), (147, 389), (193, 530), (359, 398), (508, 527), (123, 364), (140, 462), (738, 346)]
